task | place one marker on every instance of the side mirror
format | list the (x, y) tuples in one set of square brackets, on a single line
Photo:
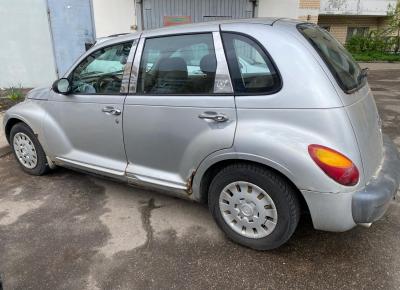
[(62, 86)]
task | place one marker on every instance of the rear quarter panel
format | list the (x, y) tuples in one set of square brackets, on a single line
[(361, 111), (307, 110), (282, 136)]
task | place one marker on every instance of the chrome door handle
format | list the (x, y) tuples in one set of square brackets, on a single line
[(111, 111), (217, 117)]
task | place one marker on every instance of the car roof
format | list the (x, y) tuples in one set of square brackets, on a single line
[(190, 28)]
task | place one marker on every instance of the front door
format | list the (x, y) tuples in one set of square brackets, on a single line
[(182, 111), (85, 126)]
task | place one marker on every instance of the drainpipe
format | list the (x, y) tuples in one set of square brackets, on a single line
[(253, 10), (50, 27), (139, 8)]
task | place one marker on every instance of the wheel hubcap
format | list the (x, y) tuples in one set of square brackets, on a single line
[(248, 209), (25, 150)]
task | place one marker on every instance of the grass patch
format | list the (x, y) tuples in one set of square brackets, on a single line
[(11, 96), (376, 56), (15, 94)]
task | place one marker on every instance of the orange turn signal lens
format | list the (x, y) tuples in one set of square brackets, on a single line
[(334, 164)]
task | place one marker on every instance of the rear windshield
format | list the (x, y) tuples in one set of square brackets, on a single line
[(342, 65)]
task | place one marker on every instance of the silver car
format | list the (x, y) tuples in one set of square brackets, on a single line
[(262, 119)]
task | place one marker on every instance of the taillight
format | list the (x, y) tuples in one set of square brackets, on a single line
[(334, 164)]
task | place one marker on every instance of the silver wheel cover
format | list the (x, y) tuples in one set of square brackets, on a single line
[(248, 210), (25, 150)]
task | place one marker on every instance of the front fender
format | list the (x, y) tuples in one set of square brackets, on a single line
[(32, 113)]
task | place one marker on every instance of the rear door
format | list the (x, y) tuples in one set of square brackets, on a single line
[(180, 108)]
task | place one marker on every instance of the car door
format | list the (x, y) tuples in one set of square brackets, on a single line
[(84, 127), (180, 108)]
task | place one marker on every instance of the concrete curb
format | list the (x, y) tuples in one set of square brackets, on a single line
[(4, 151), (4, 146), (380, 65)]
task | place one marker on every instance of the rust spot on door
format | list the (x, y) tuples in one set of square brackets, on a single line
[(189, 183)]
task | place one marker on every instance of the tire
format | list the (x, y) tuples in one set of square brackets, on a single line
[(30, 154), (263, 215)]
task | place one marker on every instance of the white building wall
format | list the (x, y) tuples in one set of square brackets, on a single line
[(278, 8), (356, 7), (113, 17), (26, 51)]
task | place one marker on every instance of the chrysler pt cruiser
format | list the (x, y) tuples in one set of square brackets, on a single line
[(262, 119)]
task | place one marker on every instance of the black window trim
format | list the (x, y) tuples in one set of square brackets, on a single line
[(333, 72), (263, 49), (177, 94), (69, 77)]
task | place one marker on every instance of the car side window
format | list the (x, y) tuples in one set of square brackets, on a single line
[(250, 67), (102, 71), (180, 64)]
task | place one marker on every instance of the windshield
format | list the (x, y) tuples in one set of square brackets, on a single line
[(347, 72)]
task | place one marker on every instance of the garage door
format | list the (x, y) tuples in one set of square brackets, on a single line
[(71, 27), (159, 13)]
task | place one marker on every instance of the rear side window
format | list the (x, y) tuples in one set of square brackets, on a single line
[(250, 67), (346, 71), (180, 64)]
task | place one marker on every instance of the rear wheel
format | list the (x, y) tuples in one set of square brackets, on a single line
[(28, 150), (254, 206)]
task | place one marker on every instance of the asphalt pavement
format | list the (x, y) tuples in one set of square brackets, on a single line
[(70, 230)]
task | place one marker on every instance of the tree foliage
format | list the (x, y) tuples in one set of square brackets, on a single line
[(385, 40), (394, 23)]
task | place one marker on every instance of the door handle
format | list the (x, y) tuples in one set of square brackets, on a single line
[(216, 117), (111, 111)]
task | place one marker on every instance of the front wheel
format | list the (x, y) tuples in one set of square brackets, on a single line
[(254, 206), (28, 150)]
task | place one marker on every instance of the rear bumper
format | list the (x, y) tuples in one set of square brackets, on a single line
[(370, 204), (342, 211)]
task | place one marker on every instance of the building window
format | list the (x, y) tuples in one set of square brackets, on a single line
[(356, 31), (326, 27)]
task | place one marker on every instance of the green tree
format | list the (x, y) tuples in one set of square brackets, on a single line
[(394, 23)]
